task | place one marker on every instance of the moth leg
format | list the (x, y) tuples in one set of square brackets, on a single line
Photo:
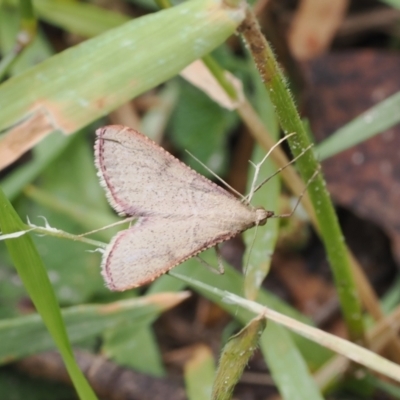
[(220, 263), (288, 215), (220, 270)]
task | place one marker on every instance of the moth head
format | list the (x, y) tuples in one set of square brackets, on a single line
[(262, 215)]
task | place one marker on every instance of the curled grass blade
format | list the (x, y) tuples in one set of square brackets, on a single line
[(235, 356)]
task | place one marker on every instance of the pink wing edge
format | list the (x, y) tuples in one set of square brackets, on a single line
[(119, 206)]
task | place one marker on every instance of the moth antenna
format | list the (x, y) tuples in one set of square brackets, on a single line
[(259, 186), (258, 166), (314, 175), (216, 176), (108, 226)]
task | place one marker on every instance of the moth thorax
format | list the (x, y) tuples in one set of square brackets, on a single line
[(262, 215)]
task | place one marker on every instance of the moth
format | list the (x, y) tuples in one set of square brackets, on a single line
[(179, 212)]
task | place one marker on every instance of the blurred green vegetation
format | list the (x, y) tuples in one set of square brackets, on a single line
[(56, 183)]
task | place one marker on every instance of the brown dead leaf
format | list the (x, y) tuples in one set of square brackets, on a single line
[(200, 354), (314, 26), (311, 294), (200, 76), (365, 178)]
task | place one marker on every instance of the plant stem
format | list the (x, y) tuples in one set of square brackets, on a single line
[(290, 121)]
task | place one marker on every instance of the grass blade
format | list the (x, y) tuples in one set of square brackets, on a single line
[(34, 277), (373, 121), (199, 374), (26, 335)]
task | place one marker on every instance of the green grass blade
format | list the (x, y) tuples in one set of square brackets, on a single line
[(288, 367), (260, 243), (373, 121), (34, 277), (260, 246)]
